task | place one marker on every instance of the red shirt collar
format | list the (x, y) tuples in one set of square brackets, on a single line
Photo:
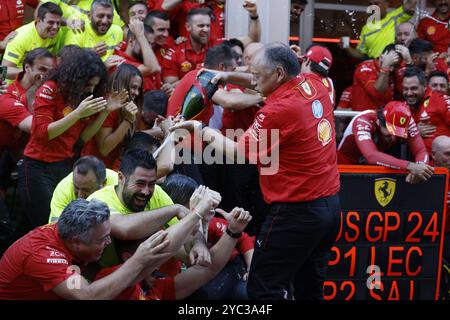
[(435, 15)]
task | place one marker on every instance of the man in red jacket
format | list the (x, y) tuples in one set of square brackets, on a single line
[(371, 132)]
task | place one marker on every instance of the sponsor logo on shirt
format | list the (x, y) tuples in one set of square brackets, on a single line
[(45, 96), (431, 30), (324, 132), (317, 109), (186, 66), (57, 261)]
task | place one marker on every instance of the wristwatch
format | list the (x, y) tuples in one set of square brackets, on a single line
[(235, 235)]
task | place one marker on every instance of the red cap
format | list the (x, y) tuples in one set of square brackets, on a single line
[(397, 116), (320, 55)]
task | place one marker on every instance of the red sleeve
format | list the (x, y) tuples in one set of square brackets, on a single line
[(12, 110), (215, 229), (345, 100), (169, 65), (416, 143), (366, 79), (245, 243), (421, 29), (363, 137), (256, 142), (48, 271), (44, 110), (447, 110)]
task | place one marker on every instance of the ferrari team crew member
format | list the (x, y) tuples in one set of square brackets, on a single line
[(61, 125), (301, 183), (371, 132)]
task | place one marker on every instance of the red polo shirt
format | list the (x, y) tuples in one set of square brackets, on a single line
[(11, 15), (435, 32), (49, 107), (216, 229), (434, 110), (13, 111), (363, 138), (364, 94), (218, 20), (181, 60), (302, 113), (34, 265), (151, 82)]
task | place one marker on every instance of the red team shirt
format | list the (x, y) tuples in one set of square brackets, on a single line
[(301, 110), (179, 61), (345, 102), (363, 138), (364, 94), (12, 112), (437, 33), (11, 15), (34, 265), (216, 229), (434, 110), (49, 107)]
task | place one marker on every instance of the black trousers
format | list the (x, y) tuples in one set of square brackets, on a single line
[(293, 248), (37, 181)]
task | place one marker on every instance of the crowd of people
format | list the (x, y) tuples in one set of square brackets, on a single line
[(93, 127)]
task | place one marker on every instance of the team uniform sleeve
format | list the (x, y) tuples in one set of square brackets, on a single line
[(61, 198), (368, 148), (13, 111), (169, 65), (44, 111), (245, 243), (16, 49), (416, 143), (366, 80)]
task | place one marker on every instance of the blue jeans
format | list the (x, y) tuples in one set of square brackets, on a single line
[(292, 250)]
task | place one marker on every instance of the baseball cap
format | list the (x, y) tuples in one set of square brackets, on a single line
[(397, 116), (320, 55)]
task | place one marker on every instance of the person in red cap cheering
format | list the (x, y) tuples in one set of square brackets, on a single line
[(372, 132)]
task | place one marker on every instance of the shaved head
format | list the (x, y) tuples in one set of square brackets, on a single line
[(250, 51), (441, 151)]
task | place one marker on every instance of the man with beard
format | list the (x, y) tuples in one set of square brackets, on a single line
[(139, 207), (44, 32), (430, 109), (139, 53), (187, 55), (435, 28), (100, 34)]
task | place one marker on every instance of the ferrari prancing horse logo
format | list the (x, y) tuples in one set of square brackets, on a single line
[(384, 190)]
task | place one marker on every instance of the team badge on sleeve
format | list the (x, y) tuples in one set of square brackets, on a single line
[(317, 109)]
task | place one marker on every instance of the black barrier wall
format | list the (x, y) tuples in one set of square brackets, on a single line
[(391, 235)]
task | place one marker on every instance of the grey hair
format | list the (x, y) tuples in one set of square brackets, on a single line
[(103, 3), (80, 217), (276, 55)]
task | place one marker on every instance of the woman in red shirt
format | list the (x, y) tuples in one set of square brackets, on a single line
[(122, 123), (69, 109)]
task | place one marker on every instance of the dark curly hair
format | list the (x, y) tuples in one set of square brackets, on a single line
[(73, 75)]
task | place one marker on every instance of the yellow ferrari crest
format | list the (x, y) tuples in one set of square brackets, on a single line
[(384, 190)]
